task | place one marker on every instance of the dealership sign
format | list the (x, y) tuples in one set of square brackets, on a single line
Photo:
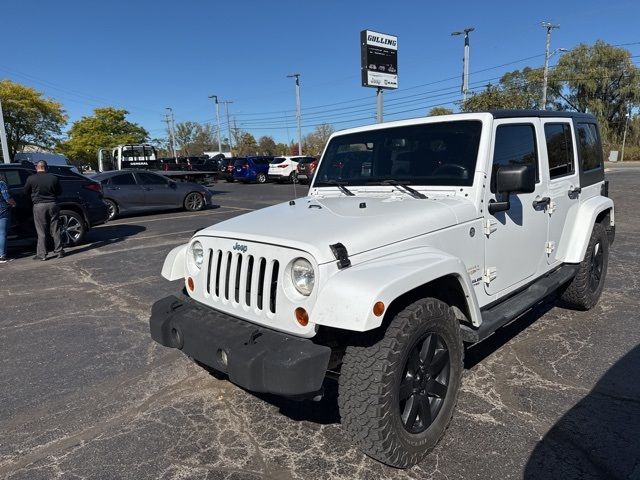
[(379, 53)]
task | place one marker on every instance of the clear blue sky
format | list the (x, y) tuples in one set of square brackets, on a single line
[(146, 55)]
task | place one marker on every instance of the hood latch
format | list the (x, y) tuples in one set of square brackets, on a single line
[(341, 254)]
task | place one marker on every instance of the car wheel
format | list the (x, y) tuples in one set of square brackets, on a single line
[(261, 178), (72, 228), (293, 177), (397, 393), (194, 202), (584, 290), (112, 208)]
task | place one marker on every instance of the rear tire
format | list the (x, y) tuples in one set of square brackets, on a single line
[(261, 178), (397, 395), (293, 177), (72, 228), (584, 290), (113, 208)]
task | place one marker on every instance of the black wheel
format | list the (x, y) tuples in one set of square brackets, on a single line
[(261, 178), (293, 177), (112, 208), (194, 202), (72, 228), (229, 180), (584, 290), (398, 394)]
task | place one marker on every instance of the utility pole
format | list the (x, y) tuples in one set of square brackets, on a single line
[(215, 99), (3, 138), (298, 114), (549, 26), (226, 109), (465, 61), (624, 135), (170, 119), (379, 105)]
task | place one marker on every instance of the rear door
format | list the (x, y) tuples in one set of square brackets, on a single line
[(158, 190), (21, 214), (515, 239), (125, 191), (563, 180)]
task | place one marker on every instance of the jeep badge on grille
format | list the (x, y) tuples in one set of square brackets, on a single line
[(240, 248)]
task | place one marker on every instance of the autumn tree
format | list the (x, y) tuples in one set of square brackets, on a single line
[(30, 118), (245, 144), (106, 128), (193, 138), (267, 146), (314, 143)]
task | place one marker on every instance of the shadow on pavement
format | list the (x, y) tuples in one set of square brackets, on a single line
[(600, 436), (107, 235)]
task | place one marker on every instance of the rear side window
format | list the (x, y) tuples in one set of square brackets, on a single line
[(123, 179), (278, 160), (152, 179), (515, 145), (590, 151), (240, 163), (559, 149), (11, 178)]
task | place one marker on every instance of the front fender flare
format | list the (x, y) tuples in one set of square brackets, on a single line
[(175, 263), (346, 300)]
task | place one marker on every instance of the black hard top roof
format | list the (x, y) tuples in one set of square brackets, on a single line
[(541, 113)]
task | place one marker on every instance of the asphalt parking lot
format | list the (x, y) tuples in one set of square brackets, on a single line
[(87, 394)]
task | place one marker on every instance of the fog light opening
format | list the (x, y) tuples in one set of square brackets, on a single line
[(302, 317), (378, 309), (190, 284), (222, 357)]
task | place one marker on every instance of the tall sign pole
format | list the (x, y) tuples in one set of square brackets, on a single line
[(298, 112), (465, 61), (3, 138), (379, 65), (547, 54), (215, 99)]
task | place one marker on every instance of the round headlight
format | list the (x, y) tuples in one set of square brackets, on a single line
[(303, 276), (197, 253)]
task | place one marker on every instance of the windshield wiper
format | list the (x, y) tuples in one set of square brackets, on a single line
[(340, 186), (406, 188)]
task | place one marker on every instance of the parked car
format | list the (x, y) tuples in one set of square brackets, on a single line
[(127, 191), (284, 169), (81, 203), (227, 167), (306, 169), (252, 169), (418, 238)]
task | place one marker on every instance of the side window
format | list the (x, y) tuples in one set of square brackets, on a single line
[(11, 178), (123, 179), (152, 179), (559, 149), (590, 151), (515, 145)]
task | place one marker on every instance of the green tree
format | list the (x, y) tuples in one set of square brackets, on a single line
[(106, 128), (600, 79), (30, 119), (436, 111), (282, 148), (245, 144), (267, 145)]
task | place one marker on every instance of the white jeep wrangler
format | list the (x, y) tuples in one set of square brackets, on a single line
[(416, 237)]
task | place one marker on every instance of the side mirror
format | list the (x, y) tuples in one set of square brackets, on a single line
[(513, 179)]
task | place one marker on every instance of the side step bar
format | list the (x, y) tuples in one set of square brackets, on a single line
[(507, 310)]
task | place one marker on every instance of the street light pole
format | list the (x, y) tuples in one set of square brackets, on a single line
[(549, 26), (226, 109), (172, 132), (215, 99), (465, 61), (298, 113)]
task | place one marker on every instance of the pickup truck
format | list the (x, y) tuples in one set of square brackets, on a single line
[(417, 238)]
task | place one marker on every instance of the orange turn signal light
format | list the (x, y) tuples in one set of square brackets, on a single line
[(378, 309), (302, 317), (190, 284)]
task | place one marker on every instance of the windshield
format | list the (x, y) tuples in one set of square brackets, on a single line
[(442, 153)]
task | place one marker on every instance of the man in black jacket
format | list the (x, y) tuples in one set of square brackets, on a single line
[(44, 188)]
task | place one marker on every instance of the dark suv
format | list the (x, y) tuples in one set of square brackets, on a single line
[(81, 205), (226, 168), (252, 169)]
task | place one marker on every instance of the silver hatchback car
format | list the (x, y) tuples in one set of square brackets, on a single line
[(129, 191)]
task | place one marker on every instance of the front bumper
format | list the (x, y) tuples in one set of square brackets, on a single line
[(258, 359)]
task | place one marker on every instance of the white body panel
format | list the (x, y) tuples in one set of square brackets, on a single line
[(284, 169)]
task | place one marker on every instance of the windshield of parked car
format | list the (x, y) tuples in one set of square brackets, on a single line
[(305, 160), (442, 153)]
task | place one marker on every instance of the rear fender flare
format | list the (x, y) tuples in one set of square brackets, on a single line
[(573, 246)]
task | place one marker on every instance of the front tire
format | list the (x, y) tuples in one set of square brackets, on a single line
[(584, 290), (261, 178), (397, 395), (194, 202)]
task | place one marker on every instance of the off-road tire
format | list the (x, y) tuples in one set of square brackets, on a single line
[(261, 178), (370, 382), (582, 292)]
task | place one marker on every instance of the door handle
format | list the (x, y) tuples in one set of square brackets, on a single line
[(544, 201)]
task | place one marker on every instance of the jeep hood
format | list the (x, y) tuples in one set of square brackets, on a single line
[(360, 223)]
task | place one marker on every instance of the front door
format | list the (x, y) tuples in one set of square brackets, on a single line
[(157, 190), (515, 239), (563, 180)]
